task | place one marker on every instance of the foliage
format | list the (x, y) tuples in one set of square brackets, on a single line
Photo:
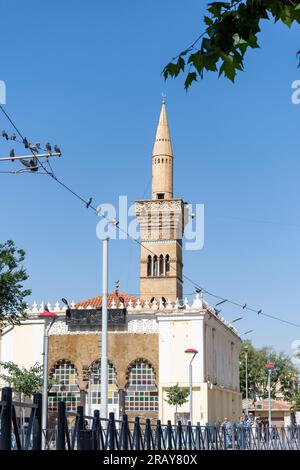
[(24, 381), (177, 395), (12, 276), (296, 401), (283, 378), (232, 28)]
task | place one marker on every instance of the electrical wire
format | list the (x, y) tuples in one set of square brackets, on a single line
[(197, 286)]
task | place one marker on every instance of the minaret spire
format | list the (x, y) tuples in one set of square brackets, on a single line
[(161, 221), (162, 158)]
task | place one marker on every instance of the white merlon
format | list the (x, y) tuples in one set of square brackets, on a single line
[(140, 308)]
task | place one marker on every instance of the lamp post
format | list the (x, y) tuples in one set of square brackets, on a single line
[(104, 359), (246, 376), (49, 318), (269, 368), (193, 352)]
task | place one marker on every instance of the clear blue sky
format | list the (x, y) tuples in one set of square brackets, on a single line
[(87, 75)]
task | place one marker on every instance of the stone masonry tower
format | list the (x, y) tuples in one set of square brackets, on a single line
[(161, 222)]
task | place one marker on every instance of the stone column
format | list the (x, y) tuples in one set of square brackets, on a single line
[(122, 409)]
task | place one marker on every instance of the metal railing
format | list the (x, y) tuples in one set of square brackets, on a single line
[(75, 431), (12, 434)]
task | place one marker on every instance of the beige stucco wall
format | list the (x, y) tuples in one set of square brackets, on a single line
[(215, 368), (23, 344)]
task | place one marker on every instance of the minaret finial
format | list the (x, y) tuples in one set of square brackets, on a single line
[(163, 98)]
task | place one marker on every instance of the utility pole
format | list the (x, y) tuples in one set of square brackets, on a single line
[(246, 367), (49, 320), (269, 368), (104, 358), (193, 352)]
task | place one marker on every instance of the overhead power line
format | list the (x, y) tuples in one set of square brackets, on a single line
[(198, 288)]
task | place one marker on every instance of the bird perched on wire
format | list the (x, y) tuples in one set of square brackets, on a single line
[(48, 147), (34, 147), (32, 164), (5, 135), (13, 137), (57, 150), (12, 155), (26, 143), (89, 202)]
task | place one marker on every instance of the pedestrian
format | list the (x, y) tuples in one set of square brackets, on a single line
[(226, 427), (266, 429), (240, 427), (259, 426)]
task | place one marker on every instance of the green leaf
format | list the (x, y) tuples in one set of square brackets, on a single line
[(192, 76), (197, 61)]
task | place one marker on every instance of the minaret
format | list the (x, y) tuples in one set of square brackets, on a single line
[(161, 221), (162, 159)]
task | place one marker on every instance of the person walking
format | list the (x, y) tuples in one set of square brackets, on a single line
[(259, 427), (226, 427), (240, 427)]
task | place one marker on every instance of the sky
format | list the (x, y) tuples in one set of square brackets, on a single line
[(87, 76)]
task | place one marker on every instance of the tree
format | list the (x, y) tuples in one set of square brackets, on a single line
[(231, 28), (12, 276), (296, 401), (177, 396), (23, 381), (284, 376)]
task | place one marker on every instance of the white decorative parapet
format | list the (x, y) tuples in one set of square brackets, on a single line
[(137, 306)]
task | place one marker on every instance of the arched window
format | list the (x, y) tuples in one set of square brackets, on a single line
[(141, 391), (167, 263), (155, 266), (161, 265), (94, 385), (149, 266), (65, 387)]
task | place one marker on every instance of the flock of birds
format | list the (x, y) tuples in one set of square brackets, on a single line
[(33, 163)]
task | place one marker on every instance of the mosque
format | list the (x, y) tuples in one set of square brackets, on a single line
[(147, 336)]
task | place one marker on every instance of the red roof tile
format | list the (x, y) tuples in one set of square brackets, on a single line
[(275, 405), (96, 302)]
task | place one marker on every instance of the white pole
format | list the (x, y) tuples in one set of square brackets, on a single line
[(45, 387), (246, 360), (269, 387), (191, 391), (47, 328), (104, 360), (27, 157)]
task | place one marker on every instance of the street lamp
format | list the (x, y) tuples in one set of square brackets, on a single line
[(193, 352), (236, 319), (247, 332), (49, 318), (246, 374), (269, 367), (104, 332)]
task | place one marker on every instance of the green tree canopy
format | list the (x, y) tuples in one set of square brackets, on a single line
[(23, 381), (283, 379), (177, 396), (12, 277), (230, 29)]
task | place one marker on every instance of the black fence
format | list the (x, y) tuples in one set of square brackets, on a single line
[(75, 431), (12, 434)]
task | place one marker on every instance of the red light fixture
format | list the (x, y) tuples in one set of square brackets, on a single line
[(269, 366), (191, 351), (47, 315)]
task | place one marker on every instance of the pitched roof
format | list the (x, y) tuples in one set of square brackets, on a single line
[(96, 302), (278, 405)]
